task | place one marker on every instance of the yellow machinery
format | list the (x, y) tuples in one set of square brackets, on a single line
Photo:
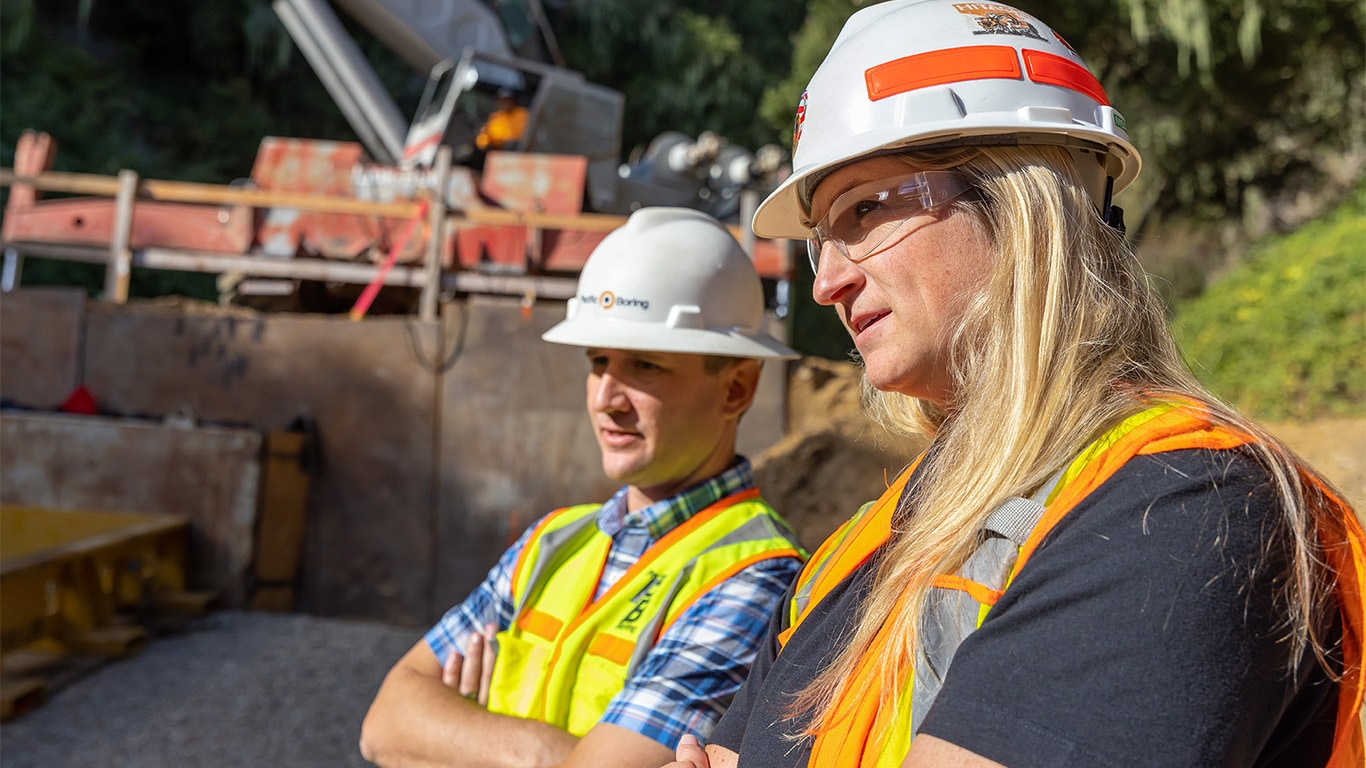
[(68, 578)]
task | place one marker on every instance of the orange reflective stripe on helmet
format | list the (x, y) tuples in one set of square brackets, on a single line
[(952, 65), (979, 62)]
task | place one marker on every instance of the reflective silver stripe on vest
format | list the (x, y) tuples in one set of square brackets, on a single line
[(951, 615), (802, 595), (552, 549)]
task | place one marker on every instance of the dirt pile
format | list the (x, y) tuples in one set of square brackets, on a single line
[(834, 459)]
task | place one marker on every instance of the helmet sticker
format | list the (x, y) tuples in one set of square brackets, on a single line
[(997, 19), (608, 300), (797, 122)]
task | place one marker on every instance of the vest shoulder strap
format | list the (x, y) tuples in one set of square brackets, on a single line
[(535, 555)]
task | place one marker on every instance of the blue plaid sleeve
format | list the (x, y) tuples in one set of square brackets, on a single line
[(491, 601), (689, 678)]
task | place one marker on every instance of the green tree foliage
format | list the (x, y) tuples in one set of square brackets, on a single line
[(1240, 107), (810, 43), (1283, 334), (1246, 112), (1236, 105), (173, 90), (684, 66)]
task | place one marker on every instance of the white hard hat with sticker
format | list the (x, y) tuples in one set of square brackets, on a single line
[(907, 74), (669, 280)]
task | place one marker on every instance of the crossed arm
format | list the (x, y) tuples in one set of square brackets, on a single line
[(420, 717)]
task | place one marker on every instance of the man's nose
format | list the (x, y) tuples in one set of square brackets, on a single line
[(608, 393)]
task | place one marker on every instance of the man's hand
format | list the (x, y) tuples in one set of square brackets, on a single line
[(419, 719), (472, 673), (425, 715)]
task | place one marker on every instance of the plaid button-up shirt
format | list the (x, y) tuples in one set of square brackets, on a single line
[(690, 676)]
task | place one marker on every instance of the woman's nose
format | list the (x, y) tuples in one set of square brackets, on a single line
[(835, 275)]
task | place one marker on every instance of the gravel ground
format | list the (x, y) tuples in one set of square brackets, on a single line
[(231, 689)]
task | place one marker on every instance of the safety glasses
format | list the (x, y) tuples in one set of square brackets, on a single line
[(862, 220)]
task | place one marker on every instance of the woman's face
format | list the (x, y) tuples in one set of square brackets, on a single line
[(903, 302)]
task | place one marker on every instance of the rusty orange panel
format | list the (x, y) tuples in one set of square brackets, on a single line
[(772, 260), (566, 250), (501, 247), (166, 225), (321, 168), (531, 182), (305, 165)]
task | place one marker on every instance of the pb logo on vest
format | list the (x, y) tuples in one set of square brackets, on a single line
[(639, 602)]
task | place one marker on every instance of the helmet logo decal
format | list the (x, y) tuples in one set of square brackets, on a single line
[(997, 19), (608, 300), (797, 123)]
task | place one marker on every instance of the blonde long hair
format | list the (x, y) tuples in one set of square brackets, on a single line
[(1064, 339)]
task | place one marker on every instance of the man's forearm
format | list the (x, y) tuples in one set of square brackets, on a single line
[(417, 721)]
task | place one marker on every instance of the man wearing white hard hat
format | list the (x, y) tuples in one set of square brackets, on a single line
[(608, 631)]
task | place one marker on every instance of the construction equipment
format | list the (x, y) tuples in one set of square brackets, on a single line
[(401, 212)]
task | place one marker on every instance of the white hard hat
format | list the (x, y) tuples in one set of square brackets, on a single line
[(669, 280), (909, 74)]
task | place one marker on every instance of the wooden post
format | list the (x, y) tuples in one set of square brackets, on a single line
[(436, 218), (120, 264)]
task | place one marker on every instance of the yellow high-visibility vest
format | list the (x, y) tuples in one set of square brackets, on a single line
[(566, 655)]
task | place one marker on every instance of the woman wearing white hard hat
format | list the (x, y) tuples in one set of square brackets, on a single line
[(1095, 562)]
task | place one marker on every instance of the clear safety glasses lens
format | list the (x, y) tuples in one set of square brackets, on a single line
[(862, 220)]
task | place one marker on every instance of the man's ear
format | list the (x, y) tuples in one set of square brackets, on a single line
[(742, 382)]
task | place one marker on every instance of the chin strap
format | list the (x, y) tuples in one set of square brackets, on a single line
[(1115, 218), (1113, 214)]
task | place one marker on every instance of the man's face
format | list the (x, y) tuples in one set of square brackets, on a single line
[(661, 419)]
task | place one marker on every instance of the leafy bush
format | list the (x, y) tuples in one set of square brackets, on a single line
[(1283, 334)]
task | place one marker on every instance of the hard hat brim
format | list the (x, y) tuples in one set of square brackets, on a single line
[(782, 213), (619, 334)]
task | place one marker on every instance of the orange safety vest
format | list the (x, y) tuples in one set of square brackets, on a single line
[(867, 736)]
